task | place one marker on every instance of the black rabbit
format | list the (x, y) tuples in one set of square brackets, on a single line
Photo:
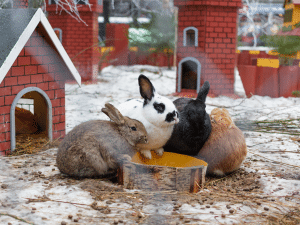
[(194, 126)]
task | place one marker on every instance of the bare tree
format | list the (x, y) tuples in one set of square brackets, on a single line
[(252, 13), (154, 6), (131, 7), (6, 4), (71, 7)]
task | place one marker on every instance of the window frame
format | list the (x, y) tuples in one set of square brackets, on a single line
[(59, 34), (185, 30)]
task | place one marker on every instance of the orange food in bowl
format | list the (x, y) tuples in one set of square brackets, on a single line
[(168, 159)]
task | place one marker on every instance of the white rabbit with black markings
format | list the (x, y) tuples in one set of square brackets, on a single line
[(157, 113), (96, 147)]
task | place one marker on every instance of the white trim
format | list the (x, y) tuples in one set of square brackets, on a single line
[(261, 48), (60, 33), (180, 74), (13, 119), (38, 17), (126, 20), (60, 48), (196, 35)]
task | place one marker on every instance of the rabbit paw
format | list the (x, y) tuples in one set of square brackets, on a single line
[(125, 158), (159, 151), (146, 154)]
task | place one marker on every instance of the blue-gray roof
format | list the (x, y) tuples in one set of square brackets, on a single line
[(12, 24)]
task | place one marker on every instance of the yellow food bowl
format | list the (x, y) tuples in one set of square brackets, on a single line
[(168, 159), (171, 171)]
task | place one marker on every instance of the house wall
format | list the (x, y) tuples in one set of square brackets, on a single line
[(116, 37), (216, 22), (38, 65), (80, 39)]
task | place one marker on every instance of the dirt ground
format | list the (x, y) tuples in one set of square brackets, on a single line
[(239, 198)]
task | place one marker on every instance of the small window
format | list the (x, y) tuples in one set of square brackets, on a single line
[(81, 2), (58, 32), (190, 36), (27, 104)]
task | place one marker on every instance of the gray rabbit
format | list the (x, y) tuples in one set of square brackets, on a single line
[(95, 148)]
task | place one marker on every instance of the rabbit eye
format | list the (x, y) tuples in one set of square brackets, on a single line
[(133, 128), (159, 107)]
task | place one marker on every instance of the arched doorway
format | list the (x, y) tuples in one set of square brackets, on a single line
[(37, 118), (189, 70)]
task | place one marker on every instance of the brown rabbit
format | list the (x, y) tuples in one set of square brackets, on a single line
[(226, 148), (96, 147)]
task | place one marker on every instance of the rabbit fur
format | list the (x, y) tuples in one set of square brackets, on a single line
[(226, 148), (97, 147), (157, 113), (194, 127)]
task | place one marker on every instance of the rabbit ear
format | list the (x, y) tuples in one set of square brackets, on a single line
[(146, 88), (203, 91), (113, 113)]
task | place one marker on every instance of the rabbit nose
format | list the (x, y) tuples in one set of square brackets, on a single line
[(145, 139), (173, 116)]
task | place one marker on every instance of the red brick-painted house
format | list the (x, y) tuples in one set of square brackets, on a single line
[(33, 65), (206, 45), (79, 38), (117, 37)]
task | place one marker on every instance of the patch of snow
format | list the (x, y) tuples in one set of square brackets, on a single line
[(268, 154)]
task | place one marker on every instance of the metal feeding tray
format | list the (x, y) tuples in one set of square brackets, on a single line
[(171, 171)]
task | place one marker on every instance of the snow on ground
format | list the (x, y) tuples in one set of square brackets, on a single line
[(32, 191), (116, 84)]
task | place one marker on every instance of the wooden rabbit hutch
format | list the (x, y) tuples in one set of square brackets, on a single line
[(206, 45), (34, 67)]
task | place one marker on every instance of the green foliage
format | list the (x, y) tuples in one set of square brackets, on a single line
[(297, 24), (286, 46), (158, 34), (239, 40), (296, 94), (289, 28)]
